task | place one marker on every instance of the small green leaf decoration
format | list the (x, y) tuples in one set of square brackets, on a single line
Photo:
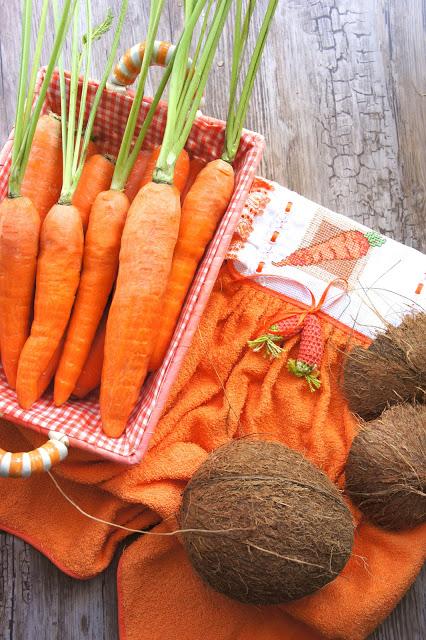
[(268, 343), (375, 239), (307, 371)]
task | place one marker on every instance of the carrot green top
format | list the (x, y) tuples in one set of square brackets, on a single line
[(74, 144), (187, 87), (26, 117), (126, 157), (238, 109)]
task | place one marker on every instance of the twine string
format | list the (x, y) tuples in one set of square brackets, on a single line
[(314, 308), (130, 529)]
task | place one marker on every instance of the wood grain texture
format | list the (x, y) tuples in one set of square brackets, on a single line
[(341, 99)]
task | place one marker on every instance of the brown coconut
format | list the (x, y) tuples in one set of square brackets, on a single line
[(386, 468), (392, 370), (269, 526)]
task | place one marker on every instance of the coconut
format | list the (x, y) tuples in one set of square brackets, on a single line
[(386, 468), (392, 370), (263, 525)]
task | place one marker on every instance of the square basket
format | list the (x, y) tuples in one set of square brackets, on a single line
[(80, 420)]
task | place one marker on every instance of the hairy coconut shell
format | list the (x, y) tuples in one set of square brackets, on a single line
[(386, 468), (392, 370), (269, 526)]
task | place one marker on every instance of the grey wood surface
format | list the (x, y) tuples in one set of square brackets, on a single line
[(341, 99)]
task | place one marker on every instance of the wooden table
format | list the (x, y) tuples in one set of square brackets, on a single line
[(341, 99)]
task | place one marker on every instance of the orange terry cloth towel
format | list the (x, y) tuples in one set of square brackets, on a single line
[(224, 391)]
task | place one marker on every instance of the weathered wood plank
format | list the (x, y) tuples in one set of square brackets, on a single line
[(341, 101)]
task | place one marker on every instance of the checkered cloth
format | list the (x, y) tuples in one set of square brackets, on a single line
[(80, 421)]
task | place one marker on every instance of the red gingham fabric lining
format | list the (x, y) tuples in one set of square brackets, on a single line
[(80, 421)]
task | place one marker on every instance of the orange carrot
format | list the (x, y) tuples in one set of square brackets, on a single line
[(202, 210), (347, 245), (95, 178), (58, 273), (90, 377), (61, 237), (100, 264), (18, 263), (147, 246), (136, 174), (150, 235), (181, 170), (43, 176), (34, 184), (195, 166)]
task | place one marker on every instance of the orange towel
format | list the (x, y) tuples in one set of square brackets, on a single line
[(224, 391)]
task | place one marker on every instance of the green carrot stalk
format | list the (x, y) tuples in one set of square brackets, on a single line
[(123, 164), (68, 144), (85, 54), (22, 85), (36, 58), (149, 116), (195, 57), (238, 109), (26, 121), (74, 143), (62, 89), (186, 89)]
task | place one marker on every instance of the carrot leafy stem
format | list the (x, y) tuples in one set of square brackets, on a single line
[(123, 166), (238, 109), (268, 343), (303, 370), (27, 114), (36, 59), (74, 143), (187, 88)]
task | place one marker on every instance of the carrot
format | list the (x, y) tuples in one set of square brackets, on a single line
[(100, 266), (90, 377), (58, 273), (20, 219), (347, 245), (61, 237), (149, 238), (208, 198), (136, 174), (42, 181), (195, 166), (99, 270), (202, 210), (310, 354), (269, 342), (95, 178), (311, 346), (181, 170), (18, 263), (145, 259)]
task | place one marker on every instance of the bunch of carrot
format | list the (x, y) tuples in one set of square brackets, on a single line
[(95, 264)]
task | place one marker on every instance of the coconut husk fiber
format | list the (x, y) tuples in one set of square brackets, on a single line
[(269, 526), (392, 370), (386, 468)]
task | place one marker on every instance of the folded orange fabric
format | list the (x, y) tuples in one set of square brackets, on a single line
[(224, 391)]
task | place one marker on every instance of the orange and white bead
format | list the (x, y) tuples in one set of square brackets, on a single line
[(40, 460), (129, 65)]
